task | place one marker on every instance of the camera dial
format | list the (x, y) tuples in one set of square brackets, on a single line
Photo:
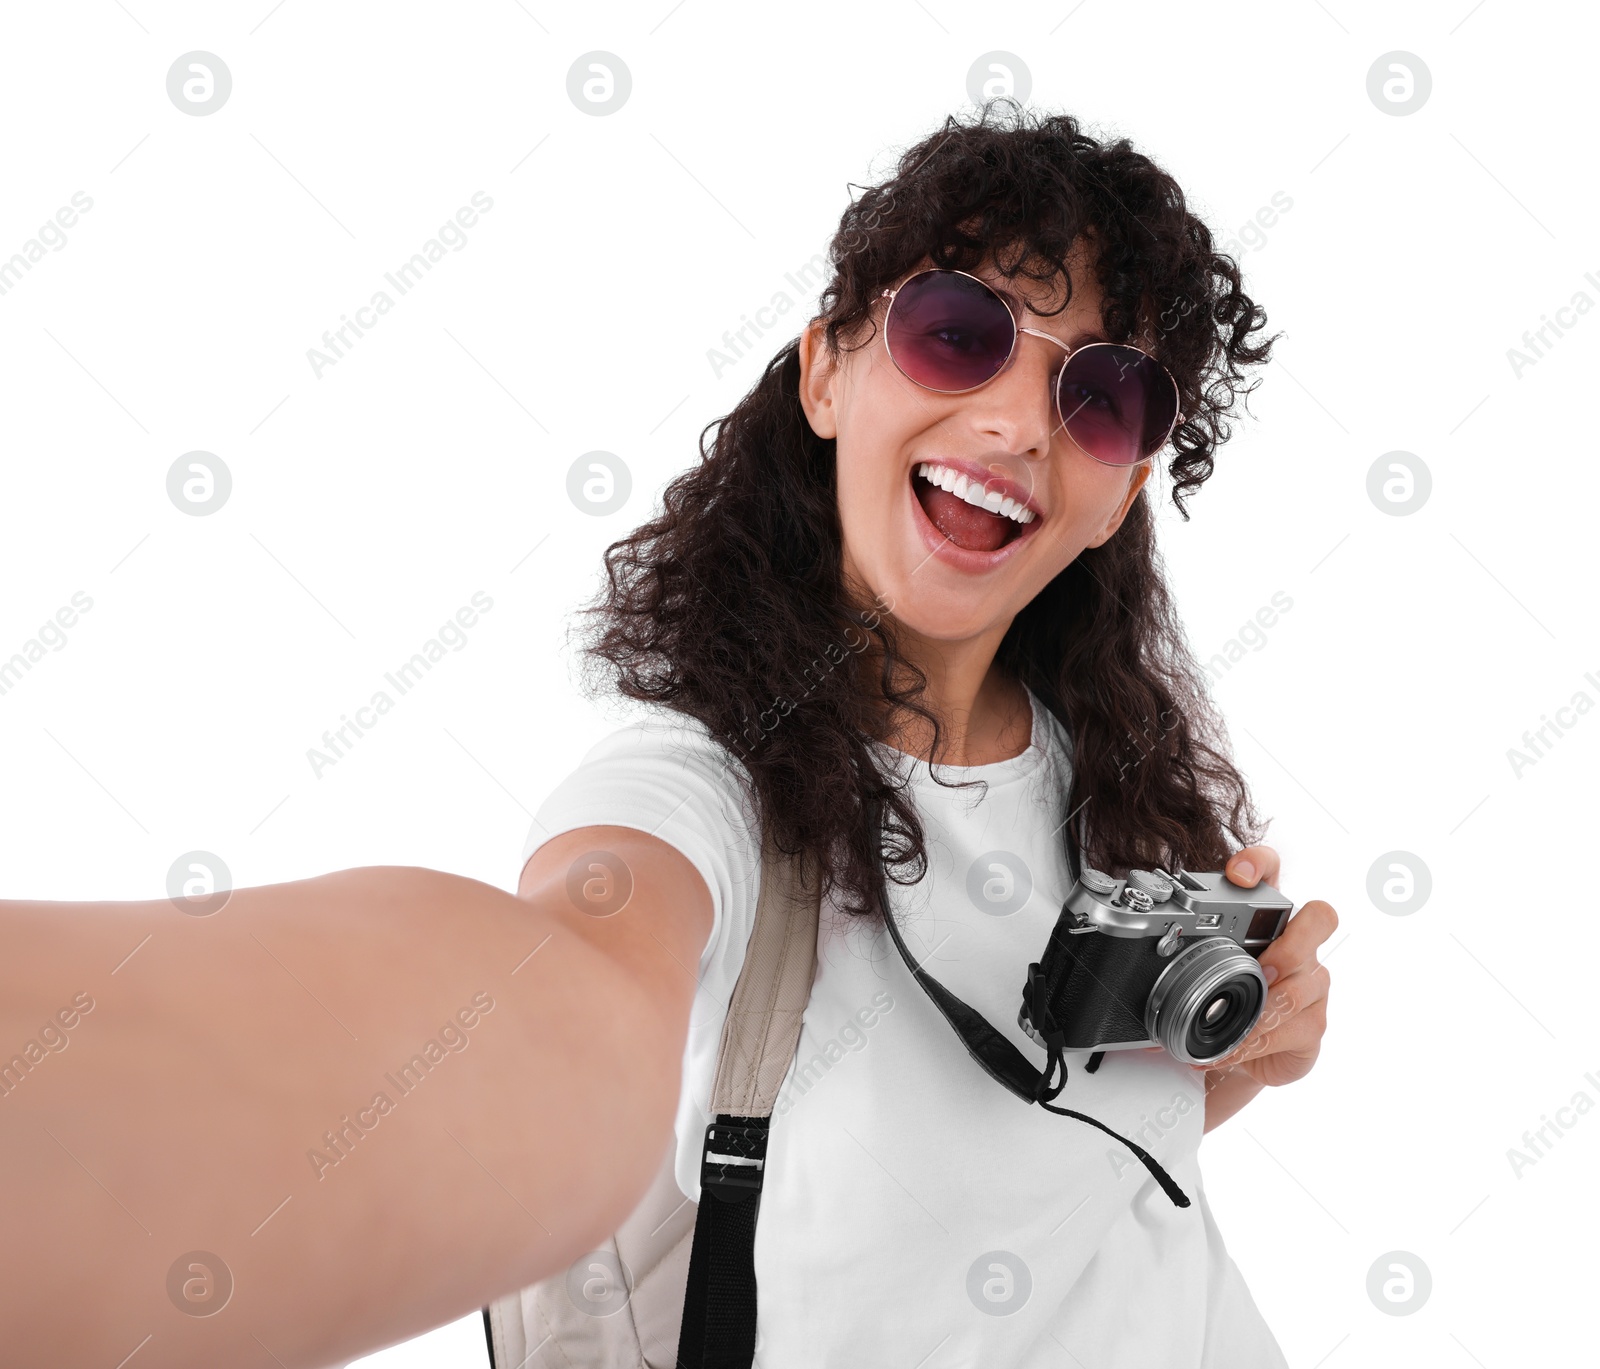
[(1151, 882), (1096, 882), (1137, 899)]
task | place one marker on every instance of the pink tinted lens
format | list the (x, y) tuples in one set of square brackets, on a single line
[(1117, 403), (948, 331)]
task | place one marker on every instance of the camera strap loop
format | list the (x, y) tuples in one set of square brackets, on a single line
[(1054, 1061), (1036, 1000)]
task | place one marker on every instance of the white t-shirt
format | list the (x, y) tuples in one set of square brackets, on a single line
[(913, 1210)]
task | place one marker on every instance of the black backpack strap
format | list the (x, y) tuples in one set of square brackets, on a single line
[(719, 1303), (757, 1047)]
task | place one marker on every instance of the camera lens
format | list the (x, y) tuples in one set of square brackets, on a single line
[(1206, 1001)]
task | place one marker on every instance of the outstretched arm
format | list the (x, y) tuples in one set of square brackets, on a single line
[(369, 1101)]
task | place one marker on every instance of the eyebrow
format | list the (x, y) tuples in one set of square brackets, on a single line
[(1017, 306)]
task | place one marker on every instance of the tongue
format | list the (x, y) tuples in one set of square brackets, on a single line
[(969, 527)]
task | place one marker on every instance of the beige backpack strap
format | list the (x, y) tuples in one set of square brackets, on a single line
[(769, 1000), (541, 1327)]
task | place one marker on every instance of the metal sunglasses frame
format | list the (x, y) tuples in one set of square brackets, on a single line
[(1016, 331)]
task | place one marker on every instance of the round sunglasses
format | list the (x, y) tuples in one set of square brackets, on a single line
[(950, 332)]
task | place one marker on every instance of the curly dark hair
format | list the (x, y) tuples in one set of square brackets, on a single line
[(730, 606)]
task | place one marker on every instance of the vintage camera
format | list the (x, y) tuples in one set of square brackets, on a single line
[(1156, 959)]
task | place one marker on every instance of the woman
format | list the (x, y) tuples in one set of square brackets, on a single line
[(916, 555)]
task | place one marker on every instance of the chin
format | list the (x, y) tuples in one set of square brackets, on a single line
[(927, 603)]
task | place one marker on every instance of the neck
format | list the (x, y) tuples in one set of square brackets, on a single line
[(983, 714)]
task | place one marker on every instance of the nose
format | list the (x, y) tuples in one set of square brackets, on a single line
[(1017, 408)]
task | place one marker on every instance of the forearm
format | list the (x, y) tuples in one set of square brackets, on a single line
[(1228, 1090), (224, 1054)]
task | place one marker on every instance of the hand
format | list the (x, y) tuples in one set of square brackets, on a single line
[(1286, 1041)]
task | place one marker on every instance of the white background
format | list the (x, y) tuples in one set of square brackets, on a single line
[(430, 462)]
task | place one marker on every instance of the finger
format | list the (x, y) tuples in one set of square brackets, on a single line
[(1299, 1040), (1289, 1052), (1252, 865), (1282, 1067), (1297, 947), (1288, 998)]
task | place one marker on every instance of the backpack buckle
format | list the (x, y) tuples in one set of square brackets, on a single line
[(733, 1161)]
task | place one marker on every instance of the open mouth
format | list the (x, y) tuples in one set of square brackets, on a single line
[(974, 518)]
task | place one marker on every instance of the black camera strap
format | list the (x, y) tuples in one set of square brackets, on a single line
[(1001, 1060)]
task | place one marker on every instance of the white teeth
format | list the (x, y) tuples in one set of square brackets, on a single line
[(963, 487)]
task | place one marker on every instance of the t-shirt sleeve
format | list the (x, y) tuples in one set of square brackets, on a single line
[(670, 778)]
